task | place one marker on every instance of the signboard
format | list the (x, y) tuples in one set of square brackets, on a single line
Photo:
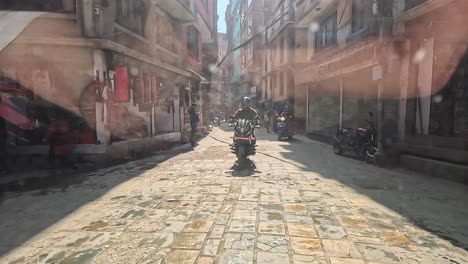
[(347, 61)]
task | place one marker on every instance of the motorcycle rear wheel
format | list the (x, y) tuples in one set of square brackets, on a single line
[(337, 149), (240, 157), (368, 153)]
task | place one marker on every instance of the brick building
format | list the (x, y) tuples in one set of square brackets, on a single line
[(128, 69)]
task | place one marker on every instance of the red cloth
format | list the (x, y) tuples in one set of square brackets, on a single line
[(61, 133), (122, 93)]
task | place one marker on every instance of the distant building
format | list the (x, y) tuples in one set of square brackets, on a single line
[(278, 78)]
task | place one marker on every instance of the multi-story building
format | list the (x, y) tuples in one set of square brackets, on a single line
[(220, 87), (206, 28), (404, 60), (251, 32), (236, 80), (433, 93), (338, 64), (278, 58), (119, 67)]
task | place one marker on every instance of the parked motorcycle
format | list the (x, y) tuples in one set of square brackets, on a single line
[(284, 129), (362, 141), (244, 143)]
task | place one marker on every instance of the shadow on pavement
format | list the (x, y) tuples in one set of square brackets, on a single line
[(20, 230), (433, 204), (249, 170)]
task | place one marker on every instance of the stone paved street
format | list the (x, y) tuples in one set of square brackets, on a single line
[(299, 204)]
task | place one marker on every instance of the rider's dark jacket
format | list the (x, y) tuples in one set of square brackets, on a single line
[(246, 113)]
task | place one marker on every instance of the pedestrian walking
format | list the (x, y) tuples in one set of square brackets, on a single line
[(267, 118), (194, 119)]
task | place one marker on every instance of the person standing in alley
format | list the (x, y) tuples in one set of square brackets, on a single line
[(267, 119), (194, 119)]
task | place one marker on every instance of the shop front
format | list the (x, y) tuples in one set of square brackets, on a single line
[(434, 116), (340, 88)]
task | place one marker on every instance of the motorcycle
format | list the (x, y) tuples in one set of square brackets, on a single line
[(362, 141), (244, 143), (284, 129), (217, 121)]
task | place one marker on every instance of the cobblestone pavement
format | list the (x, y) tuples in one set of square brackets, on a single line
[(299, 204)]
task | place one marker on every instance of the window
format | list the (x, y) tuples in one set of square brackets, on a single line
[(326, 35), (192, 41), (361, 14), (205, 2), (281, 83), (131, 14)]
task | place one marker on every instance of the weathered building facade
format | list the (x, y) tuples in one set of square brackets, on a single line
[(233, 60), (339, 64), (251, 55), (402, 60), (278, 78), (433, 109), (121, 67)]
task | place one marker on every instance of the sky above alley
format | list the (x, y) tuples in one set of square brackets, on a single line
[(222, 4)]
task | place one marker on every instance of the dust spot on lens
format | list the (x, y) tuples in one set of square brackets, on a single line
[(134, 71), (419, 56), (437, 98), (212, 68), (314, 27)]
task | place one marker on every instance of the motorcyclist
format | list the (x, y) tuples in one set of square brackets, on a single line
[(288, 116), (247, 112), (286, 113)]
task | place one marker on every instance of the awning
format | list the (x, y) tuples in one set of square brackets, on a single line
[(13, 23), (202, 78), (15, 117)]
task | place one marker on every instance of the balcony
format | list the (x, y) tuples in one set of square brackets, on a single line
[(309, 11), (410, 4), (179, 9)]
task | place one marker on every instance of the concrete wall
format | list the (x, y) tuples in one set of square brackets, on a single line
[(58, 73)]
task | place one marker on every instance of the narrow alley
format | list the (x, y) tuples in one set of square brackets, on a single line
[(298, 203)]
